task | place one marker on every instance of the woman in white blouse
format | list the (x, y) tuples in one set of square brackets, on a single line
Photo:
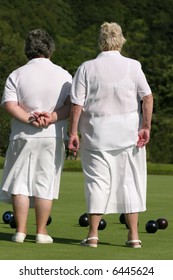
[(35, 153), (106, 94)]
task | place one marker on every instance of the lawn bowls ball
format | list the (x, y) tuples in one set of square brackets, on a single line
[(162, 223), (7, 216), (83, 220), (122, 218), (151, 226), (49, 221), (102, 224), (13, 222)]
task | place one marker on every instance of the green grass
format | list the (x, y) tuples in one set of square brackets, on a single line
[(67, 233), (159, 168)]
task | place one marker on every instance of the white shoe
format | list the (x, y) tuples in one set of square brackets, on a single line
[(18, 237), (43, 238)]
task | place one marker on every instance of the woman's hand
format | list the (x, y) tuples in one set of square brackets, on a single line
[(73, 144), (143, 137), (44, 119)]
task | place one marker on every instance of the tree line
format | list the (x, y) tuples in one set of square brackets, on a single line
[(74, 24)]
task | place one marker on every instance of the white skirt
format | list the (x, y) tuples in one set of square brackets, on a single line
[(115, 181), (33, 168)]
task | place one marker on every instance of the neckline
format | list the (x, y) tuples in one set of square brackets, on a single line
[(109, 53)]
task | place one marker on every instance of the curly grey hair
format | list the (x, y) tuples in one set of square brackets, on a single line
[(111, 37), (39, 44)]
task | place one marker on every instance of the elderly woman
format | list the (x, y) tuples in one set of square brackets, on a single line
[(35, 154), (106, 94)]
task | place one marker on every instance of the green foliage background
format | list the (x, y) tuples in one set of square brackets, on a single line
[(74, 25)]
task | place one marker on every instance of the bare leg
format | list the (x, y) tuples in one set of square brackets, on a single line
[(132, 222), (42, 212), (20, 208), (94, 220)]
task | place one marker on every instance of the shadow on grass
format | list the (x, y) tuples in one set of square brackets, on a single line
[(5, 236), (31, 238)]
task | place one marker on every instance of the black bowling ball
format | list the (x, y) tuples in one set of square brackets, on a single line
[(7, 216), (122, 218), (13, 222), (83, 220), (102, 224), (49, 221), (151, 226), (162, 223)]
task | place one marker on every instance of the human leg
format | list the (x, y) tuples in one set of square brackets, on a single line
[(20, 207), (42, 212), (135, 179), (97, 190), (94, 220), (46, 183), (133, 236), (92, 238)]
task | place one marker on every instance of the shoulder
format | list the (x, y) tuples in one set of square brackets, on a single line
[(60, 69), (132, 61), (17, 70), (12, 77), (86, 65)]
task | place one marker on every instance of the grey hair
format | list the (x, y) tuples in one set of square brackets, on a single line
[(111, 37), (39, 44)]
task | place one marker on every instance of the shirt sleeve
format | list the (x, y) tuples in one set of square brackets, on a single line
[(67, 87), (143, 87), (10, 93), (78, 89)]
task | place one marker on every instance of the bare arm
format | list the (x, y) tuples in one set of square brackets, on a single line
[(63, 112), (17, 112), (147, 110), (45, 119), (73, 129)]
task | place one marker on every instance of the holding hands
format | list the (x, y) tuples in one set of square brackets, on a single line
[(43, 119)]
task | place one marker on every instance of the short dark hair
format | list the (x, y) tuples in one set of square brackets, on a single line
[(39, 43)]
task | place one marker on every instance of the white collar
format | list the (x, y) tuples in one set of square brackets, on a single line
[(109, 53), (38, 59)]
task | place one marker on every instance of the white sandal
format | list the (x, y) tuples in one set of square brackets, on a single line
[(131, 243), (84, 242)]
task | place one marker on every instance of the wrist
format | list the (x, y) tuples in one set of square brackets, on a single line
[(146, 128), (54, 117), (31, 118), (73, 134)]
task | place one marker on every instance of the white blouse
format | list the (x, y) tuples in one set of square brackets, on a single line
[(39, 85), (109, 88)]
